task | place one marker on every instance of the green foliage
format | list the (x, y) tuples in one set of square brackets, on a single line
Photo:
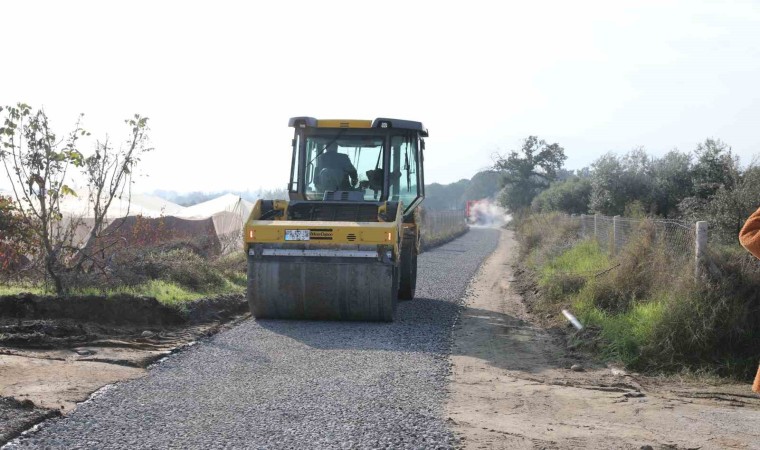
[(173, 278), (571, 196), (36, 162), (183, 267), (543, 236), (728, 208), (615, 181), (585, 257), (672, 182), (483, 184), (15, 288), (443, 197), (647, 310), (166, 292), (446, 197), (233, 267), (635, 210), (568, 272), (715, 167), (706, 185), (528, 172), (622, 335)]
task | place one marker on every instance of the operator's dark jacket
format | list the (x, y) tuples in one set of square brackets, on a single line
[(339, 161)]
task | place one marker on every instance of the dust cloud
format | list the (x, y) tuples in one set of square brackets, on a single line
[(487, 214)]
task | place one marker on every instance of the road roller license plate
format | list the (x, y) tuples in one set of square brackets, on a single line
[(297, 235)]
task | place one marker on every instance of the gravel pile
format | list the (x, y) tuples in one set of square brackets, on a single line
[(281, 384)]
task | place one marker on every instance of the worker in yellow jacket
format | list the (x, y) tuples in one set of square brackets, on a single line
[(749, 237)]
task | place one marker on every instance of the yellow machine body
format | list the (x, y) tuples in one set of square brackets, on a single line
[(343, 254)]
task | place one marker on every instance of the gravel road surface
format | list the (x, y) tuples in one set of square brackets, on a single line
[(281, 384)]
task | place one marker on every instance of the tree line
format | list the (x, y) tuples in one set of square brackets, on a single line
[(707, 183)]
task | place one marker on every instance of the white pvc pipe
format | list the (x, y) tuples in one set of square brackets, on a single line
[(574, 320)]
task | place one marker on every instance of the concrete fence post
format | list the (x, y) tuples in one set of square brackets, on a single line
[(700, 248), (583, 225), (615, 234), (596, 226)]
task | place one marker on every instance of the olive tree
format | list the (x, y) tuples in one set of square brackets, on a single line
[(528, 172)]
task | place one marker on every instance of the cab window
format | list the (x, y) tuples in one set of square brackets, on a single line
[(344, 163), (404, 177)]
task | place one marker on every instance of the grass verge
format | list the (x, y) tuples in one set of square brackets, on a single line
[(643, 306), (166, 292), (174, 278)]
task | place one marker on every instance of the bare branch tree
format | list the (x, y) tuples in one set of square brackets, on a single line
[(109, 174), (37, 164)]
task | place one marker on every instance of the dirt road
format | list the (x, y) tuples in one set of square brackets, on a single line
[(511, 387)]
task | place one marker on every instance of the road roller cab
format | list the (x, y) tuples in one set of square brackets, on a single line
[(345, 244)]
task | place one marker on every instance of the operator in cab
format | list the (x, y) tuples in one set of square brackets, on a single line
[(334, 171)]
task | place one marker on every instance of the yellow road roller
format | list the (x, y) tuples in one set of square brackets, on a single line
[(345, 244)]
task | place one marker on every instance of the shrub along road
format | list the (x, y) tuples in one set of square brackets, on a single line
[(281, 384)]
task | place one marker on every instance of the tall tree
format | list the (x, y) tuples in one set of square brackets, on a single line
[(672, 182), (617, 181), (715, 167), (528, 172)]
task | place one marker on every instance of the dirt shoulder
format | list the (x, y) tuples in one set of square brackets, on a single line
[(54, 353), (512, 387)]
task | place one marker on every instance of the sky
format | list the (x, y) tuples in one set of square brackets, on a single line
[(220, 79)]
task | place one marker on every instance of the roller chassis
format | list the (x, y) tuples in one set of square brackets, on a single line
[(349, 255)]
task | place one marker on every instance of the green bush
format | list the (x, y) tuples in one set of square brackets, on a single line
[(570, 196), (644, 307), (713, 324), (565, 275), (543, 236), (185, 268), (233, 266)]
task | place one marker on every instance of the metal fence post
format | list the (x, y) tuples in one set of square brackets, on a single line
[(700, 248), (613, 248)]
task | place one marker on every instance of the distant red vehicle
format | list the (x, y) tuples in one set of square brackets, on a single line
[(473, 213)]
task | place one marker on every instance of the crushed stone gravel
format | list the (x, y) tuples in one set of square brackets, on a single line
[(295, 384)]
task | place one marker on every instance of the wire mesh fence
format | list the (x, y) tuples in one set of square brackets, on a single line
[(440, 225), (614, 233), (673, 243)]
